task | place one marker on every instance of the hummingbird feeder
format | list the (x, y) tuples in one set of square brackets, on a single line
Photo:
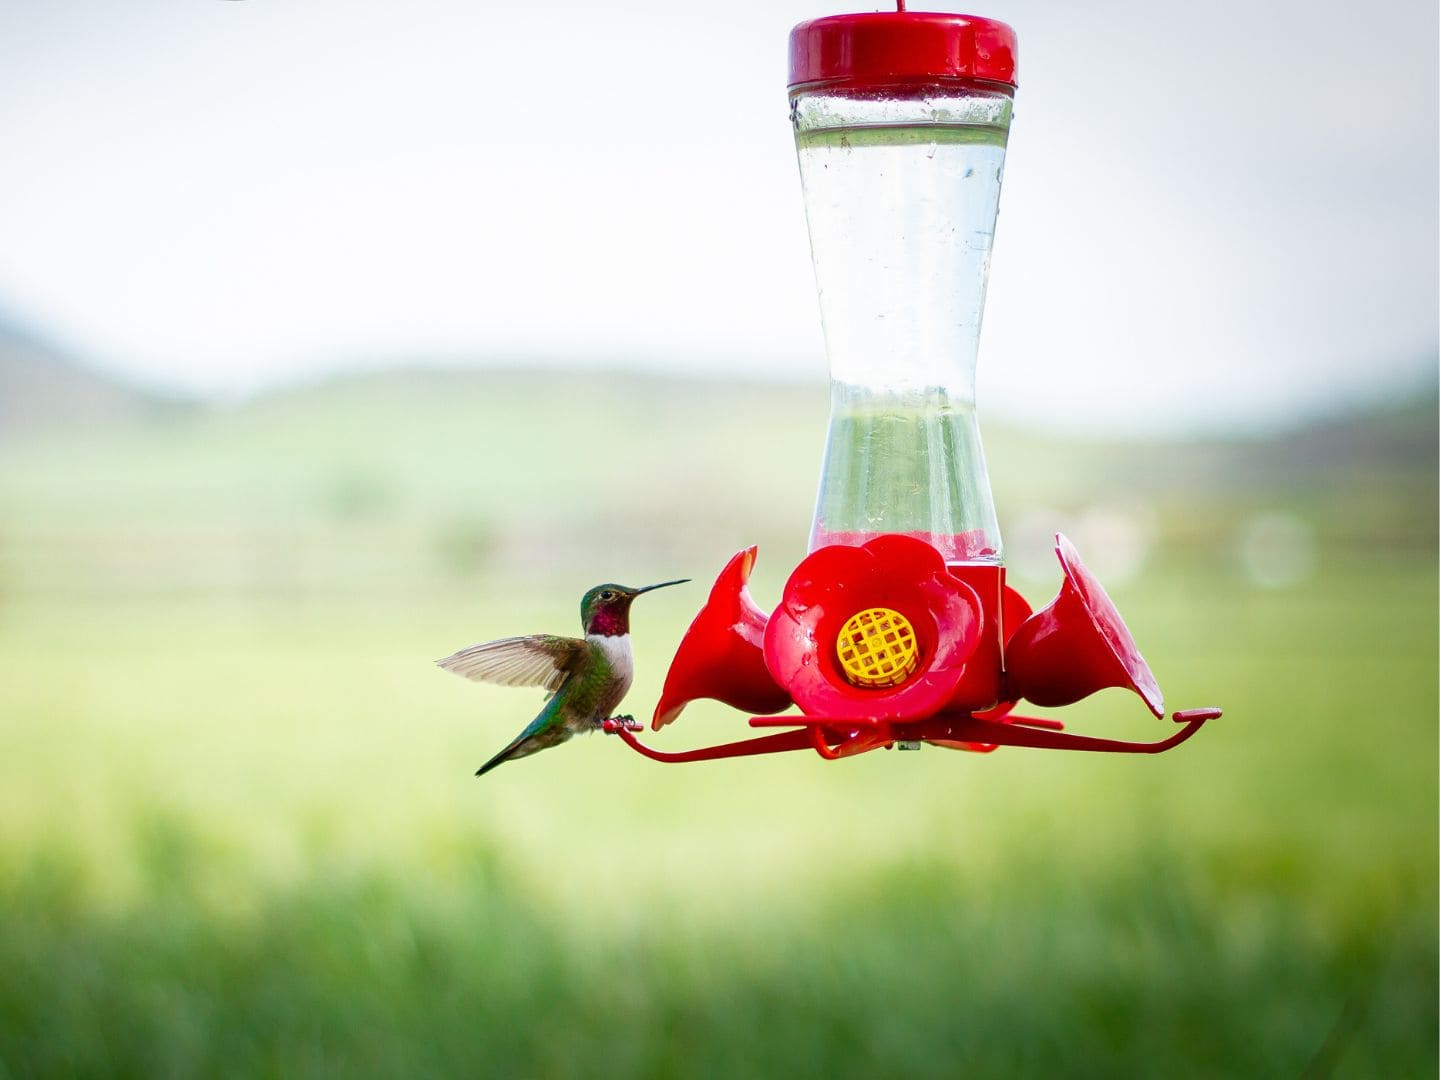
[(898, 628)]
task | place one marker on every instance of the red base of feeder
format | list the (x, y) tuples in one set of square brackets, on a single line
[(970, 639), (837, 737)]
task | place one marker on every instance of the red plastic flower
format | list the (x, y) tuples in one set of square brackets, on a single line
[(836, 594)]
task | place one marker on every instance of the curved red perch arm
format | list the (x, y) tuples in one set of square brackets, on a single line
[(834, 738), (1024, 731), (798, 739)]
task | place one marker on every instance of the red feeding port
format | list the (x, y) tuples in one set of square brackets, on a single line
[(720, 656), (906, 578), (1077, 645)]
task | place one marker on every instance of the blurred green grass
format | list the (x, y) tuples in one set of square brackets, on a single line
[(239, 832)]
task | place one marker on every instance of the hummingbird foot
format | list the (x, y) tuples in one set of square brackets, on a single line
[(615, 723)]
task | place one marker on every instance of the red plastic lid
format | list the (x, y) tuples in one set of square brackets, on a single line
[(883, 48)]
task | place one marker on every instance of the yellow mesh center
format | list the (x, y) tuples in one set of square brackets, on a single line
[(877, 648)]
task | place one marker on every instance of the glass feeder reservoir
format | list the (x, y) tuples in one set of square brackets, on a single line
[(901, 120)]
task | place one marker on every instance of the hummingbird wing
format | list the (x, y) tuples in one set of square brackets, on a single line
[(536, 660)]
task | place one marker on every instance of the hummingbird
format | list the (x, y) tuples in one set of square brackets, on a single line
[(587, 677)]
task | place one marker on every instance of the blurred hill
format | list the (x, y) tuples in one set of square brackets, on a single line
[(1365, 479), (416, 479), (43, 388)]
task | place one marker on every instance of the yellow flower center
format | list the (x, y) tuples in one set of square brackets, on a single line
[(877, 648)]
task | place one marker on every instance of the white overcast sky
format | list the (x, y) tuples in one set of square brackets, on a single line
[(1215, 213)]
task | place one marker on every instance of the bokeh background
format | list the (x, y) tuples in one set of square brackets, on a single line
[(336, 336)]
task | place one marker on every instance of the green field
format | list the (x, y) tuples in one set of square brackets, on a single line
[(239, 831)]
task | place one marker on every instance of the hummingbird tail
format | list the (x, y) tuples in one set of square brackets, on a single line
[(499, 759), (543, 733), (516, 748)]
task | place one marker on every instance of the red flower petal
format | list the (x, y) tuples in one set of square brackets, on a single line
[(833, 584)]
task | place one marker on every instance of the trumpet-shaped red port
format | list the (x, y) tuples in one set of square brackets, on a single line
[(1077, 645), (720, 655), (834, 584)]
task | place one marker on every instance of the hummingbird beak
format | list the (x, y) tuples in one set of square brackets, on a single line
[(662, 585)]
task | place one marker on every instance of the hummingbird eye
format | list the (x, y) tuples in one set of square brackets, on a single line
[(608, 594)]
